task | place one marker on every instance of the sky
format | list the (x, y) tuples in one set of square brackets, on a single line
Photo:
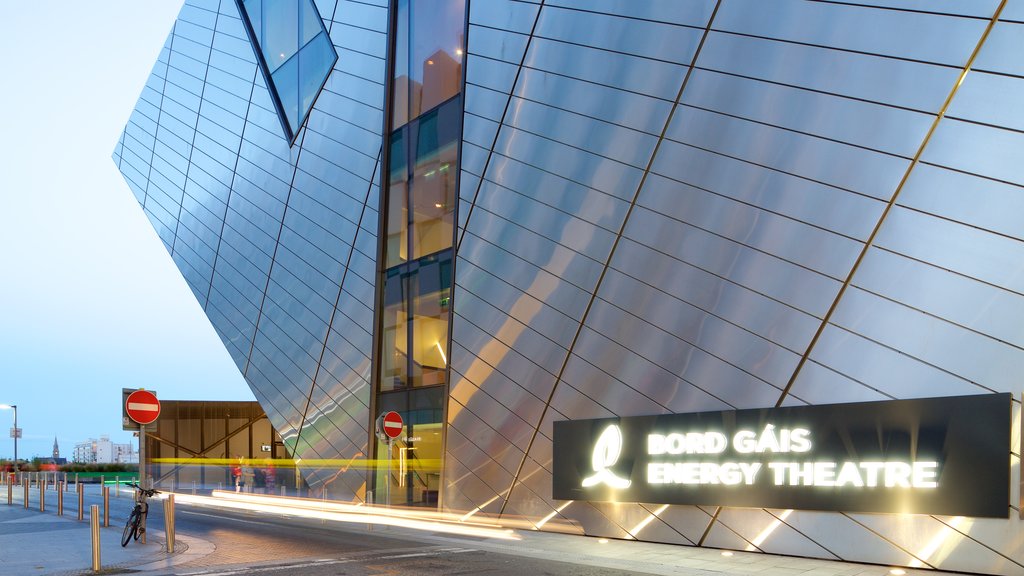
[(90, 301)]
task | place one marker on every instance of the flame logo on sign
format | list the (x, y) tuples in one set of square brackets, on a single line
[(606, 454)]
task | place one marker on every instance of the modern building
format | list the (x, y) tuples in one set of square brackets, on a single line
[(103, 451), (196, 442), (609, 209)]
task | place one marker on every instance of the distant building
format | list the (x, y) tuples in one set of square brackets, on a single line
[(56, 449), (103, 451)]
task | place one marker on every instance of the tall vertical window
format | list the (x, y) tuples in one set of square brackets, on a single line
[(419, 200), (295, 54)]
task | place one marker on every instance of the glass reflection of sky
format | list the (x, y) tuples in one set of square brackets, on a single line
[(295, 54)]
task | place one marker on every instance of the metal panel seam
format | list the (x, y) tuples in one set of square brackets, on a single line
[(192, 146), (611, 252), (159, 113), (892, 202), (337, 301), (501, 123)]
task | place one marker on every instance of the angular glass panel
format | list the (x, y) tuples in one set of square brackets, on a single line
[(429, 49), (437, 49), (433, 197), (286, 82), (394, 331), (314, 58), (279, 38), (295, 54), (415, 456), (311, 25), (396, 250), (431, 289), (401, 85)]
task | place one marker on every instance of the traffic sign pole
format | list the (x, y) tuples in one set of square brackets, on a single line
[(142, 456), (389, 427), (143, 407)]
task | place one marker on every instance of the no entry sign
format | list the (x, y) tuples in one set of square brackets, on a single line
[(391, 424), (142, 406)]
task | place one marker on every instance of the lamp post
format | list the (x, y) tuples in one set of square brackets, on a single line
[(15, 408)]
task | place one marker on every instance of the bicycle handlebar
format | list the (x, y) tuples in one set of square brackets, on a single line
[(147, 492)]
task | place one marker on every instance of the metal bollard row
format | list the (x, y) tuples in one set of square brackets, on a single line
[(94, 521), (169, 522)]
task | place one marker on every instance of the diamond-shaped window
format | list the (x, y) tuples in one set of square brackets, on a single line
[(294, 51)]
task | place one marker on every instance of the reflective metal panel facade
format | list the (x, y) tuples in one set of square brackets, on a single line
[(665, 206), (277, 242)]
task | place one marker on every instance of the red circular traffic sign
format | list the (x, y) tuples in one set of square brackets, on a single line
[(142, 406), (392, 424)]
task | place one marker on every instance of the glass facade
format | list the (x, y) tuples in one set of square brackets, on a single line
[(420, 201), (539, 211), (294, 52)]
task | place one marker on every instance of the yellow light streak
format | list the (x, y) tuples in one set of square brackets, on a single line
[(441, 350), (643, 523), (940, 538), (756, 542), (429, 464), (348, 513), (558, 510), (480, 507)]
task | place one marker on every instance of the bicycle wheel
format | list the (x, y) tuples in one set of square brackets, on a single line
[(131, 527)]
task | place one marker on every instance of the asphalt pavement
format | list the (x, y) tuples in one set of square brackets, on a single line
[(217, 542)]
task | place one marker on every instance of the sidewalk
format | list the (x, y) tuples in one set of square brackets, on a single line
[(34, 542)]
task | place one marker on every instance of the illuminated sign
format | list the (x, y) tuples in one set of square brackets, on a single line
[(929, 456)]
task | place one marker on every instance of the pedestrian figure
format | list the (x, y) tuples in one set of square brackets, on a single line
[(248, 476), (236, 473)]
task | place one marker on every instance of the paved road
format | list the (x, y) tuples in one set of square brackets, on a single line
[(426, 561), (258, 544)]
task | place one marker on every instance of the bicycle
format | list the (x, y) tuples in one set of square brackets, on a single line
[(136, 524)]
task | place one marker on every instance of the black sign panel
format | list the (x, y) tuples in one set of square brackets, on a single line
[(946, 456)]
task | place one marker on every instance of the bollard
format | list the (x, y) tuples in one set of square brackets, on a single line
[(42, 497), (81, 501), (193, 487), (117, 487), (60, 499), (220, 485), (102, 482), (283, 490), (169, 522), (94, 522), (26, 492), (106, 506), (10, 492)]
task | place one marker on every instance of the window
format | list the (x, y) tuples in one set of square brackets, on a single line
[(295, 54)]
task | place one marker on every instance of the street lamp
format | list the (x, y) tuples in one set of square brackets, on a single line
[(15, 408)]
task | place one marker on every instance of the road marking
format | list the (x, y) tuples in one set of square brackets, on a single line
[(431, 553), (270, 568), (223, 517), (381, 555)]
